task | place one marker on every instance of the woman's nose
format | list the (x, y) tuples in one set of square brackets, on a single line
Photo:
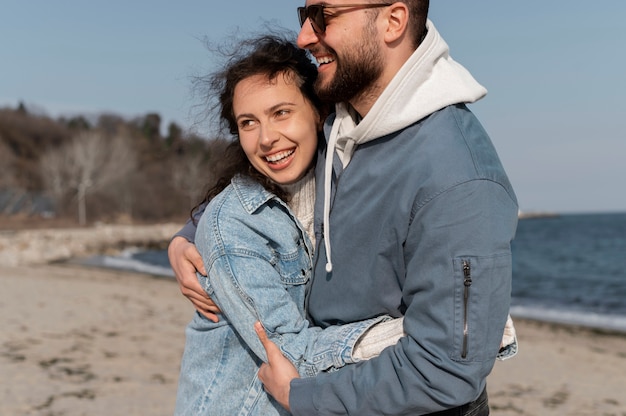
[(268, 136)]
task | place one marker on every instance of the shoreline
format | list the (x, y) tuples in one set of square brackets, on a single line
[(86, 340)]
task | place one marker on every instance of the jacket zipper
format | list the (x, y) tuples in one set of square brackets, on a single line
[(467, 282)]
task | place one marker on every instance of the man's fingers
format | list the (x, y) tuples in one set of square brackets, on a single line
[(260, 332), (208, 315), (191, 288), (270, 348), (277, 374), (193, 255)]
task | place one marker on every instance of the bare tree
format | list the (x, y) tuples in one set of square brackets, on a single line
[(7, 174), (90, 162), (190, 175), (10, 193)]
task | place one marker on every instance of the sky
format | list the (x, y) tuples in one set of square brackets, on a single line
[(556, 107)]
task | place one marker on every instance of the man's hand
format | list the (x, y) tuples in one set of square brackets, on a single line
[(277, 374), (185, 261)]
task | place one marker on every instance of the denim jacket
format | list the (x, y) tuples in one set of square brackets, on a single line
[(258, 259)]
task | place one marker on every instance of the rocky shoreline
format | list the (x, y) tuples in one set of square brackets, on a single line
[(42, 246)]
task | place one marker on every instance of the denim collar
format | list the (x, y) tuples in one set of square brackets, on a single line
[(251, 194)]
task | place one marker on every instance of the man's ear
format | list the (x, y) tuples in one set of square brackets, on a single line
[(397, 16)]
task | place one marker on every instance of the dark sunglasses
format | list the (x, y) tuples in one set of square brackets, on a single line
[(315, 13)]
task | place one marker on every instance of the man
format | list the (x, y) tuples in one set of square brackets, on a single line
[(417, 210), (414, 217)]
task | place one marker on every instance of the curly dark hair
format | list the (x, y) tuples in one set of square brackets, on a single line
[(272, 55)]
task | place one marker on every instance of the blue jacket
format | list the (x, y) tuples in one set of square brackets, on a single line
[(258, 260), (421, 224)]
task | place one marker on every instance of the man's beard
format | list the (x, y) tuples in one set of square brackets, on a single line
[(356, 71)]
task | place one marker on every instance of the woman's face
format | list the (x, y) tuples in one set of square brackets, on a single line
[(277, 126)]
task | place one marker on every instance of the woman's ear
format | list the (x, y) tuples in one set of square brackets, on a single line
[(397, 20)]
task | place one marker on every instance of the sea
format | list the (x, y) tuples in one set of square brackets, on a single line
[(567, 268)]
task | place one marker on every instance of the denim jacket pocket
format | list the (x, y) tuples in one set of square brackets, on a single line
[(294, 267), (481, 299)]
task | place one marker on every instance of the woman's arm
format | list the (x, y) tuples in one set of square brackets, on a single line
[(248, 289)]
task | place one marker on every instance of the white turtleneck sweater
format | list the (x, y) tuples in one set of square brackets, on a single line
[(302, 201)]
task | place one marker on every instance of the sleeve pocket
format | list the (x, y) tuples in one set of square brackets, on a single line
[(482, 291)]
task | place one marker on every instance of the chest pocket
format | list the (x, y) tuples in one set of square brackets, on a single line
[(294, 267)]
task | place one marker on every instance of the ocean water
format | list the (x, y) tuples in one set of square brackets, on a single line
[(566, 268), (571, 269)]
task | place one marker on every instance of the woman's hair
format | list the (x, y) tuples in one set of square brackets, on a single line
[(271, 55)]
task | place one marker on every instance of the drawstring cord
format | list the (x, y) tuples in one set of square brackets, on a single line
[(328, 172)]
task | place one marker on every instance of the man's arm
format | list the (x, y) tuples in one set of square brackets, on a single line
[(277, 374), (430, 369), (186, 262)]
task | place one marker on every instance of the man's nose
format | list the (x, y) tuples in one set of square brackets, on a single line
[(307, 35)]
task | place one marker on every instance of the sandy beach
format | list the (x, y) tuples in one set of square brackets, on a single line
[(85, 341)]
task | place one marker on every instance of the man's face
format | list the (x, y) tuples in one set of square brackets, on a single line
[(348, 52)]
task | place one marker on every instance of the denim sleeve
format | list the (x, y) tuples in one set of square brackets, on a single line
[(248, 289), (434, 367)]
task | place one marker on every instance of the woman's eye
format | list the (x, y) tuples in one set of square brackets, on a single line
[(282, 113), (246, 124)]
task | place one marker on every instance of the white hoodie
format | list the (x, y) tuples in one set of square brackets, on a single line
[(428, 81)]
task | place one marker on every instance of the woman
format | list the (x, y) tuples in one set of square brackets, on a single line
[(255, 237)]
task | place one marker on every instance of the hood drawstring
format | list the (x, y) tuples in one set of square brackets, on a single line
[(328, 173)]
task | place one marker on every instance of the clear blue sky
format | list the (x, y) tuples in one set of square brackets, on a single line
[(554, 69)]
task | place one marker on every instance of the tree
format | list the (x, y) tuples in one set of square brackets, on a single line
[(198, 167), (152, 126), (190, 176), (90, 162), (10, 194), (7, 174), (174, 136)]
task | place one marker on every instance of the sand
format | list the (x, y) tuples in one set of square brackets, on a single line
[(85, 341), (78, 341), (561, 370)]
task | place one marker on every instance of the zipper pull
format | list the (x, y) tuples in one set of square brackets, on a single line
[(467, 281)]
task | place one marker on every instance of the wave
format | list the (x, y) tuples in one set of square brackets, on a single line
[(609, 322), (128, 261)]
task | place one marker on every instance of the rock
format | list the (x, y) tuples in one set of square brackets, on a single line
[(41, 246)]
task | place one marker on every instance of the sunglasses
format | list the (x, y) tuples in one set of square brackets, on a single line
[(315, 13)]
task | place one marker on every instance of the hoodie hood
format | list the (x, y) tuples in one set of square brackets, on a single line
[(429, 81)]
